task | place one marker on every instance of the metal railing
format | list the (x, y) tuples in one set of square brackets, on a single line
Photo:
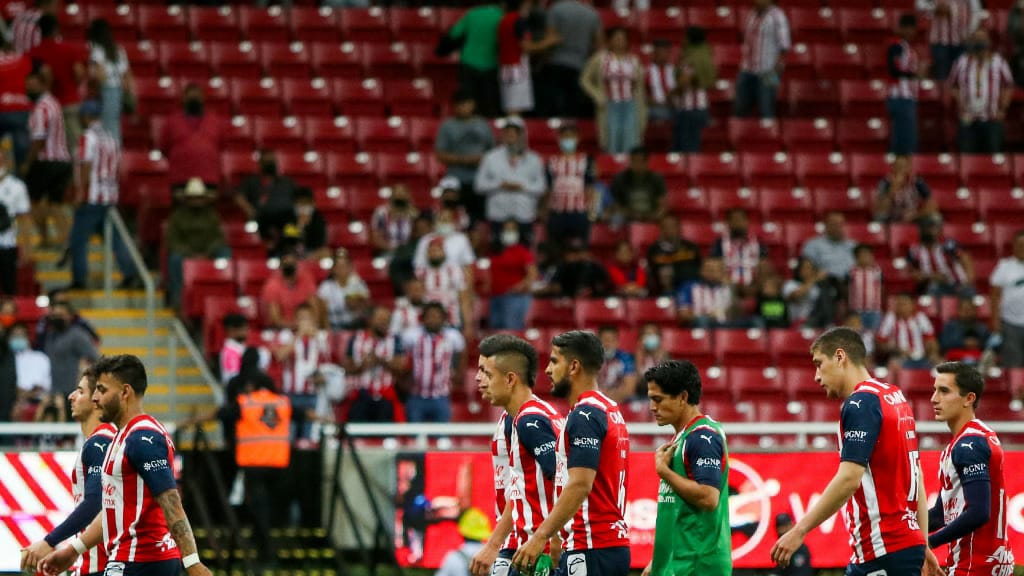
[(114, 223), (179, 336)]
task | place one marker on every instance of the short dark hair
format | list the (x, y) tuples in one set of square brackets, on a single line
[(507, 348), (696, 35), (436, 306), (48, 25), (235, 320), (676, 377), (967, 378), (863, 248), (608, 328), (583, 346), (841, 337), (126, 368), (908, 20), (91, 377), (19, 325), (638, 151), (463, 95), (303, 193)]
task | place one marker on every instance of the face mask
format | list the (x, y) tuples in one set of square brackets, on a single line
[(33, 96), (59, 324), (450, 203), (436, 262), (19, 344), (269, 168), (288, 269), (510, 238), (445, 229), (927, 238), (304, 210), (651, 342), (400, 203), (194, 107), (568, 145), (609, 354)]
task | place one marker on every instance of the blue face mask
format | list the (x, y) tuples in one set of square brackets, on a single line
[(651, 342), (568, 145), (19, 344)]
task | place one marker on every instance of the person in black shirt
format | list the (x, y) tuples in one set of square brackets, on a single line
[(312, 227), (672, 260), (578, 275), (800, 563), (268, 198)]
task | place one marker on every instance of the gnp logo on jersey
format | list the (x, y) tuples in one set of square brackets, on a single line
[(155, 465), (576, 565), (709, 463), (975, 470), (544, 448), (592, 443), (855, 436)]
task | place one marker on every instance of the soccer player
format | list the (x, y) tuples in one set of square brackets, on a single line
[(591, 477), (85, 482), (970, 513), (692, 535), (506, 375), (142, 523), (878, 484)]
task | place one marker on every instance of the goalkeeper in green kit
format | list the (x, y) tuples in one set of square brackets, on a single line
[(692, 535)]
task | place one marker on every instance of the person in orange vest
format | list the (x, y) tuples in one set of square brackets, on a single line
[(262, 452)]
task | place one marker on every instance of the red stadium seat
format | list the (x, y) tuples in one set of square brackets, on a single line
[(800, 63), (662, 22), (236, 165), (786, 204), (812, 98), (915, 382), (163, 23), (671, 166), (184, 59), (235, 60), (871, 234), (203, 278), (937, 169), (157, 95), (359, 97), (1003, 234), (862, 135), (875, 59), (144, 169), (660, 311), (835, 62), (688, 201), (714, 170), (344, 169), (251, 275), (754, 135), (364, 24), (552, 313), (215, 308), (791, 347), (901, 237), (865, 25), (144, 59), (390, 62), (306, 168), (287, 60), (948, 308), (238, 135), (123, 23), (594, 313), (376, 277), (741, 347), (28, 310), (994, 171), (364, 200), (714, 384), (411, 97), (701, 232), (334, 134), (414, 24), (409, 169), (727, 59), (244, 241), (1000, 205), (335, 60), (721, 200), (796, 233), (976, 238), (694, 345), (642, 235), (862, 98), (758, 384), (353, 237), (813, 25), (314, 24), (332, 202), (720, 23), (214, 24), (307, 97), (807, 135), (822, 170), (800, 384), (866, 170), (423, 133), (279, 134), (383, 135), (256, 97), (957, 205), (768, 170), (263, 24)]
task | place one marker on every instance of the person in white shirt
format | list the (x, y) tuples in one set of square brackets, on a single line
[(344, 294), (1007, 300), (765, 42), (108, 66), (982, 85), (511, 178), (32, 366), (458, 249), (14, 221), (438, 356)]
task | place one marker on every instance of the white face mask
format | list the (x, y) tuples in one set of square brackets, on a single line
[(510, 238), (445, 229)]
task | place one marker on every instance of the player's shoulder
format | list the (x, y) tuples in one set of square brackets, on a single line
[(106, 430), (862, 399)]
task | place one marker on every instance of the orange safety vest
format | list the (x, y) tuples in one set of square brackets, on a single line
[(262, 431)]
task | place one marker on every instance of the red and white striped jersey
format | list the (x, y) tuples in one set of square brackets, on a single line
[(619, 74), (706, 300), (661, 81), (99, 150), (444, 284), (595, 437), (308, 353), (765, 38), (741, 257), (47, 123), (954, 29), (405, 315), (378, 378), (95, 558), (877, 430), (134, 527), (981, 84), (25, 33), (532, 464), (941, 257), (976, 454), (904, 87), (908, 335), (569, 175), (690, 98), (433, 360), (866, 289), (397, 228), (500, 459)]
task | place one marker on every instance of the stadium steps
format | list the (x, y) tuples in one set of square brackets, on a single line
[(300, 551)]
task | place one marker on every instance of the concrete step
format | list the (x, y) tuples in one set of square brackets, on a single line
[(142, 352), (119, 300)]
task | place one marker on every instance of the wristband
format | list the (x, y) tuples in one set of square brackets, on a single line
[(78, 545), (190, 560)]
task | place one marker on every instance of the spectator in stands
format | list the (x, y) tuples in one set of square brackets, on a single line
[(697, 55), (108, 68), (1015, 34), (391, 223), (908, 336), (33, 367), (409, 306), (286, 288), (96, 193), (231, 358), (1007, 299), (810, 297), (25, 32), (193, 140), (193, 231), (573, 198), (953, 22), (772, 309), (14, 224), (956, 332), (268, 198), (8, 313), (617, 377), (56, 297), (650, 351), (475, 527), (578, 275), (672, 260), (64, 67), (513, 273), (628, 274), (904, 71), (374, 361), (832, 251), (68, 346), (457, 248), (708, 301), (765, 43), (511, 177), (310, 225), (477, 31), (450, 199), (47, 166), (614, 80), (660, 75), (344, 294), (740, 250), (447, 283), (904, 196), (514, 47), (852, 320), (462, 140), (14, 104), (865, 288), (302, 349), (575, 33), (690, 99), (638, 192), (438, 357), (940, 266), (800, 561), (402, 268), (982, 85)]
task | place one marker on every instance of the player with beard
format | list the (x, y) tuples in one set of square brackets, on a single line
[(86, 480), (591, 477), (506, 375), (140, 495)]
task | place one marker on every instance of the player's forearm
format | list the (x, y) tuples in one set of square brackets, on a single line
[(79, 519), (177, 521), (93, 535), (922, 504), (573, 496), (843, 485), (695, 494), (502, 529)]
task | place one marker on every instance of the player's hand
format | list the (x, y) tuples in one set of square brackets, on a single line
[(647, 569), (31, 556), (931, 565), (785, 546), (199, 570), (663, 457), (481, 563), (526, 557), (58, 561)]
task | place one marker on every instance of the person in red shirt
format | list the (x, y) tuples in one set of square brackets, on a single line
[(14, 104), (286, 289), (64, 66), (192, 141), (628, 276), (513, 272)]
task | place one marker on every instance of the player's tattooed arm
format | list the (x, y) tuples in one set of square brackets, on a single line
[(177, 521)]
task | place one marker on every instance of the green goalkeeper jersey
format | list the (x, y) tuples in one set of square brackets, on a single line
[(687, 540)]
